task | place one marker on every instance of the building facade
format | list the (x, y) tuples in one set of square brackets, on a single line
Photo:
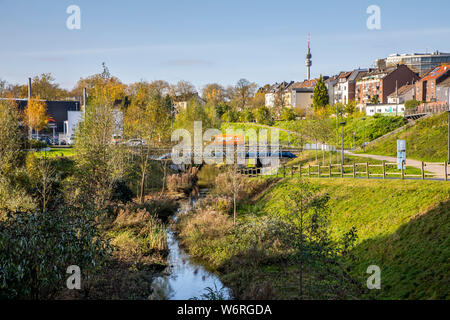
[(427, 86), (422, 63), (378, 84)]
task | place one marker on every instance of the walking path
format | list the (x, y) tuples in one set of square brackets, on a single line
[(435, 168)]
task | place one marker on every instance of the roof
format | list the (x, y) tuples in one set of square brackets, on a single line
[(445, 83), (436, 73), (307, 84), (403, 90)]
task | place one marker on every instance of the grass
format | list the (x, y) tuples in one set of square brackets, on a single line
[(309, 158), (374, 127), (425, 141), (402, 227), (56, 152)]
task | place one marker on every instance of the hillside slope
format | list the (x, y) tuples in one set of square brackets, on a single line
[(426, 140), (403, 227)]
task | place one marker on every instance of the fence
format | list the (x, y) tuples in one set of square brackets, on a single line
[(428, 108), (354, 170)]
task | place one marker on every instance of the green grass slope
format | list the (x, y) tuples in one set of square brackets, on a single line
[(426, 140), (403, 227)]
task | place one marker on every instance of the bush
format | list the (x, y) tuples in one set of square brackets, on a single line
[(36, 144), (185, 182), (37, 248), (411, 104)]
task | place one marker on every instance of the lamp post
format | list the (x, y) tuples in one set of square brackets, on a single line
[(448, 139), (353, 144), (342, 138), (364, 135), (337, 132)]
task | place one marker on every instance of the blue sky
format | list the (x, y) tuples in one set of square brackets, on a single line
[(205, 41)]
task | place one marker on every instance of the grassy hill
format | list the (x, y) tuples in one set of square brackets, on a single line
[(375, 127), (426, 140), (402, 226)]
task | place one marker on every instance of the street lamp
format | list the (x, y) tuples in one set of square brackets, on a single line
[(342, 138), (337, 133), (353, 144), (364, 135), (448, 139)]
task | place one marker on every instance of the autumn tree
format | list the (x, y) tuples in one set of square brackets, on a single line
[(243, 93), (214, 93), (99, 162), (183, 91), (320, 95), (149, 119), (103, 88), (36, 115)]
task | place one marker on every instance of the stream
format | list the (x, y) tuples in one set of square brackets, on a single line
[(184, 279)]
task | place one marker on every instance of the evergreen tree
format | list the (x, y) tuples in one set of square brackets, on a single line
[(320, 95)]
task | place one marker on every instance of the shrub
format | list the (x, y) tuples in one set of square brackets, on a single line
[(36, 144), (184, 182), (37, 248)]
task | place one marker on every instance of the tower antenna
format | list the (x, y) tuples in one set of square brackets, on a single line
[(308, 61)]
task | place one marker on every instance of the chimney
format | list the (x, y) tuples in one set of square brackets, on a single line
[(29, 88)]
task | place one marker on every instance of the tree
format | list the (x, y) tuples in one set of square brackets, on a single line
[(183, 91), (374, 99), (247, 116), (213, 93), (36, 115), (263, 116), (320, 95), (99, 162), (287, 114), (45, 87), (242, 93), (149, 119), (103, 88), (259, 99), (411, 104), (11, 155)]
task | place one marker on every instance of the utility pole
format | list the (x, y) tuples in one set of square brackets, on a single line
[(342, 138), (364, 136)]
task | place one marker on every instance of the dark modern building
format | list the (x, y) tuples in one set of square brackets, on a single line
[(55, 109)]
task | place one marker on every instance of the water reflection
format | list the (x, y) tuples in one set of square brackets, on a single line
[(184, 279)]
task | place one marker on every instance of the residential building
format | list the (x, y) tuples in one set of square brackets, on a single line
[(385, 109), (302, 94), (443, 91), (403, 94), (345, 88), (330, 83), (282, 88), (422, 63), (381, 82), (426, 87), (181, 103)]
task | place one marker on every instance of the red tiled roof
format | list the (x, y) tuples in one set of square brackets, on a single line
[(436, 73), (305, 84)]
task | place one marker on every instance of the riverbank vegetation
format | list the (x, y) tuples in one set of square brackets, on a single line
[(401, 226), (93, 210)]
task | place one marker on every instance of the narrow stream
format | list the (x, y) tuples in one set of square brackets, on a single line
[(184, 279)]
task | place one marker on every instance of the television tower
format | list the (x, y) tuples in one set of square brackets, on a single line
[(308, 61)]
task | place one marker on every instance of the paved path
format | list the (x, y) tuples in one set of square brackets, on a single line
[(435, 168)]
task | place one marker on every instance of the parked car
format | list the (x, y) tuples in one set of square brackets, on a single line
[(135, 142)]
